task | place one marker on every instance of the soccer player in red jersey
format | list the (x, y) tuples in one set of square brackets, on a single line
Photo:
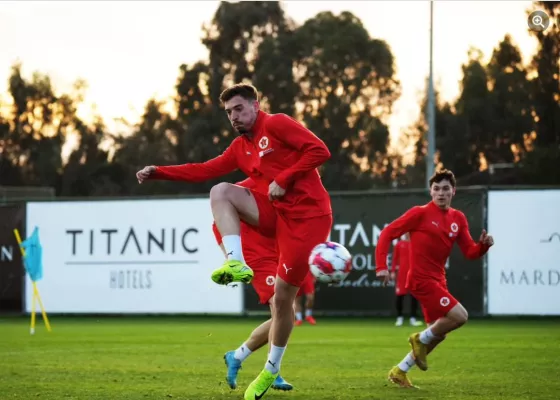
[(261, 253), (289, 201), (399, 271), (433, 229), (307, 289)]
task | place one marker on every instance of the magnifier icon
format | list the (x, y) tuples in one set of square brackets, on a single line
[(537, 20)]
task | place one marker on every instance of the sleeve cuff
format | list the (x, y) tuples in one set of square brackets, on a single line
[(282, 180)]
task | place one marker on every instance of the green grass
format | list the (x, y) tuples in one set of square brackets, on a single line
[(181, 358)]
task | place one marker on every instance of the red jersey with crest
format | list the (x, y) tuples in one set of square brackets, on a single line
[(433, 232), (280, 149)]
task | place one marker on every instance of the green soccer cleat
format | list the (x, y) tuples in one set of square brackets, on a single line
[(260, 385), (232, 271)]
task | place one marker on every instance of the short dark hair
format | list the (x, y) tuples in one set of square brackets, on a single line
[(439, 176), (248, 92)]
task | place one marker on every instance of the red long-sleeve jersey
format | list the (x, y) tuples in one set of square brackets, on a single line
[(432, 234), (280, 149)]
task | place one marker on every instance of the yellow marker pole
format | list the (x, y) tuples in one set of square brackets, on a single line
[(43, 312), (32, 328), (36, 295)]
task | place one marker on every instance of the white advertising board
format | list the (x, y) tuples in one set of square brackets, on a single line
[(524, 263), (132, 256)]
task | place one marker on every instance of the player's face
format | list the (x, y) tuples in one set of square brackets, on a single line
[(242, 113), (442, 193)]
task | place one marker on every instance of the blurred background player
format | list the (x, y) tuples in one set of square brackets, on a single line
[(307, 290), (399, 272), (433, 229), (260, 253)]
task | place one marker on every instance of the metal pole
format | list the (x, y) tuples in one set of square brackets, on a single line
[(431, 106)]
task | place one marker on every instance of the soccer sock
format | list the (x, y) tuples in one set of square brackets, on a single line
[(407, 363), (399, 305), (242, 352), (426, 336), (308, 313), (299, 316), (232, 244), (274, 359), (413, 306)]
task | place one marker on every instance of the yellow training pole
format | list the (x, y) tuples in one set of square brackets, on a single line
[(45, 318), (32, 329), (36, 294)]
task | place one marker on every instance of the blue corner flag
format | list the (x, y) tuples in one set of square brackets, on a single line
[(33, 259)]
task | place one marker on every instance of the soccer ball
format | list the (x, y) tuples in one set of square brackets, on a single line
[(330, 262)]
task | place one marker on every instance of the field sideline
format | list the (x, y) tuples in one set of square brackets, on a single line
[(181, 358)]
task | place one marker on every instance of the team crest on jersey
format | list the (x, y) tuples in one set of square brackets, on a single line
[(454, 227), (270, 280), (444, 301), (263, 143)]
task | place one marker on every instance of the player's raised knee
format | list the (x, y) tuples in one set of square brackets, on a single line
[(459, 315), (464, 317), (220, 191)]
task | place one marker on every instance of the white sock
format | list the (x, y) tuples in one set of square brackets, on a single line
[(426, 336), (407, 363), (299, 317), (274, 359), (308, 313), (232, 244), (242, 352)]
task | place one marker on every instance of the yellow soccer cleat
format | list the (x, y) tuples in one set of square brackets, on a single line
[(260, 385), (419, 351), (399, 377), (232, 271)]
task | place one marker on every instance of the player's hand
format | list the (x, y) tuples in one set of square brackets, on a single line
[(393, 276), (145, 173), (384, 276), (486, 239), (275, 191)]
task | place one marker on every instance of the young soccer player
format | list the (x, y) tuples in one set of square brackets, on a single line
[(261, 253), (282, 157), (433, 228), (399, 272)]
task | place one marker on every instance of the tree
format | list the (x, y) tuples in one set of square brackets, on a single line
[(88, 171), (151, 140), (328, 73), (415, 142), (541, 164), (254, 42), (510, 105), (35, 131), (488, 123), (545, 67), (233, 38), (347, 88)]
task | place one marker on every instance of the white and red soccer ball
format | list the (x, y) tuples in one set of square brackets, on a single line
[(330, 262)]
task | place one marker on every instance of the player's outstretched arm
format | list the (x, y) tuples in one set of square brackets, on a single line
[(405, 223), (192, 172), (313, 150), (471, 249)]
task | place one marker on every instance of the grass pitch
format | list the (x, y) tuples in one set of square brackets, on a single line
[(181, 358)]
